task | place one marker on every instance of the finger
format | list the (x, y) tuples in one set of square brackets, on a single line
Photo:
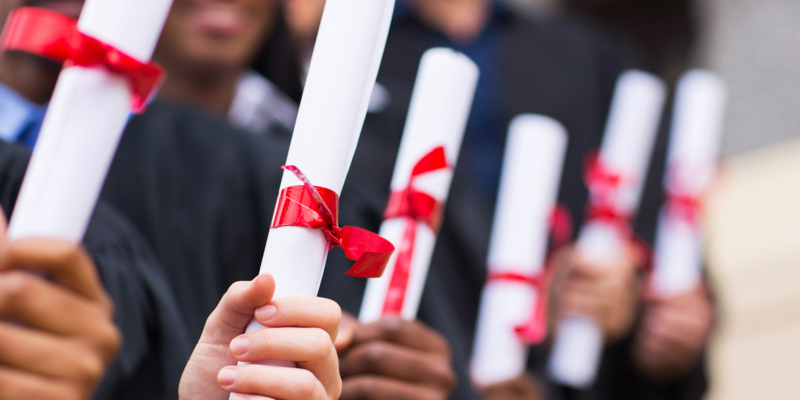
[(368, 387), (311, 348), (17, 385), (34, 302), (347, 331), (303, 312), (402, 363), (3, 226), (236, 309), (63, 262), (48, 355), (276, 382), (404, 333)]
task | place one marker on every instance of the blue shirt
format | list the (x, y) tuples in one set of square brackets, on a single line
[(20, 119)]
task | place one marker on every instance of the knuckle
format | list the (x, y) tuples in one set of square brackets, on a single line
[(307, 387), (89, 370), (373, 354), (16, 286), (391, 328), (320, 342)]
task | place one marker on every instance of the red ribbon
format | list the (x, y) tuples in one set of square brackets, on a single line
[(534, 330), (415, 206), (314, 207), (53, 35), (603, 185)]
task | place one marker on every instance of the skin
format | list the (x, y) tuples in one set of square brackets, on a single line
[(302, 329), (608, 294), (32, 77), (461, 20), (673, 334), (393, 359), (207, 44), (523, 388), (63, 336)]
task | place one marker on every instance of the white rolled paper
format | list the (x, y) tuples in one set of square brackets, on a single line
[(528, 193), (626, 150), (438, 114), (85, 120), (342, 73), (691, 166)]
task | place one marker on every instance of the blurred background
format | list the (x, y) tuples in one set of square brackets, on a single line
[(754, 244)]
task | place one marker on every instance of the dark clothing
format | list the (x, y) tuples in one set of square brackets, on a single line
[(202, 193), (155, 344), (555, 70)]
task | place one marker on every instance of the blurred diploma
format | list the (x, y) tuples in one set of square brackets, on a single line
[(341, 77), (528, 192), (691, 168), (85, 120), (430, 147), (615, 179)]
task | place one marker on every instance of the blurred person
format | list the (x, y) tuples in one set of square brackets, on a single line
[(208, 48), (202, 194), (303, 18), (527, 66), (662, 34)]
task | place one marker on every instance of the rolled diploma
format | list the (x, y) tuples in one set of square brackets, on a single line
[(627, 147), (528, 192), (342, 72), (85, 120), (437, 116), (692, 161)]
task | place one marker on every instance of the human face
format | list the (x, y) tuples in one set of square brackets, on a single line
[(71, 8), (214, 35)]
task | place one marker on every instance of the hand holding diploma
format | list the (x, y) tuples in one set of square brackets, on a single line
[(65, 320), (303, 331), (394, 359)]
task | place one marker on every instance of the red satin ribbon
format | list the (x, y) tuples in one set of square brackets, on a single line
[(534, 330), (603, 185), (415, 206), (53, 35), (313, 207)]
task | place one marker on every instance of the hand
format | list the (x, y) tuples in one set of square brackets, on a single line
[(523, 388), (393, 359), (302, 329), (673, 334), (608, 294), (62, 336)]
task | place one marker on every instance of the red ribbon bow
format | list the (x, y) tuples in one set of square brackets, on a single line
[(534, 330), (308, 206), (603, 185), (53, 35), (415, 206)]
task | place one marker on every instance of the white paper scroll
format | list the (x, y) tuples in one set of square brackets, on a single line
[(529, 185), (691, 166), (627, 147), (343, 69), (84, 122), (437, 116)]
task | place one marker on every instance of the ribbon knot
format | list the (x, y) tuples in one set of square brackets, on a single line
[(315, 207), (415, 206), (55, 36), (604, 184), (534, 330)]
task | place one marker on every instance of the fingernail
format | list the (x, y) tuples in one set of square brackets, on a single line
[(238, 397), (266, 313), (227, 376), (240, 345)]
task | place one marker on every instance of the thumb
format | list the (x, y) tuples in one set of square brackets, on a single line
[(347, 331), (237, 308)]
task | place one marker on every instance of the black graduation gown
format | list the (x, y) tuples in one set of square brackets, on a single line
[(155, 343), (555, 70), (202, 193)]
